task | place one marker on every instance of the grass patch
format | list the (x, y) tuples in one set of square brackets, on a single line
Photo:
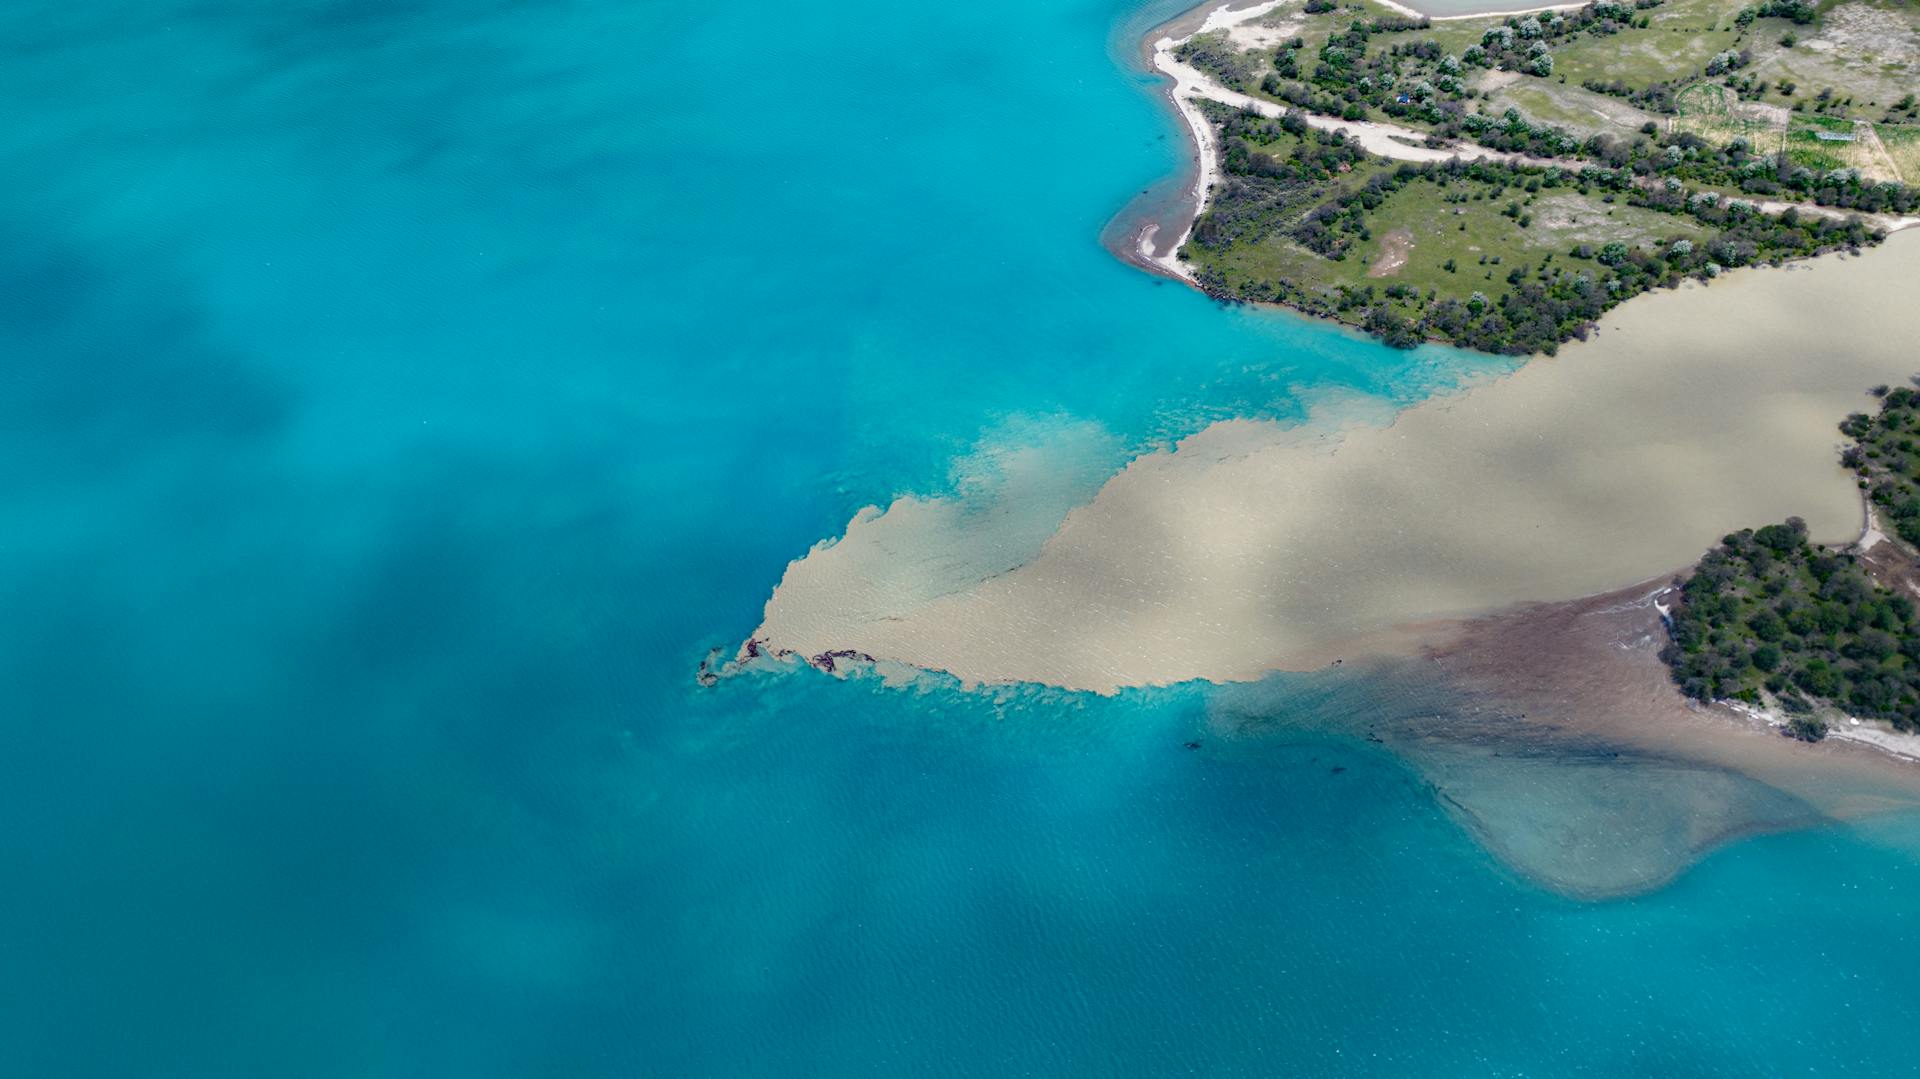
[(1486, 255), (1577, 110), (1681, 37), (1822, 143), (1468, 224), (1903, 146), (1707, 110)]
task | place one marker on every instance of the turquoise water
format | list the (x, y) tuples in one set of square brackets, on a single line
[(398, 400)]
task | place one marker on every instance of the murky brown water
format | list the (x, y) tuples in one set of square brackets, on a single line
[(1254, 547)]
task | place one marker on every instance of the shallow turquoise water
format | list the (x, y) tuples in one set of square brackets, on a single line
[(399, 400)]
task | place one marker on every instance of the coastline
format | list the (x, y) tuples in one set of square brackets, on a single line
[(1055, 645), (1592, 666), (1584, 678), (1132, 234), (1135, 234), (1252, 546)]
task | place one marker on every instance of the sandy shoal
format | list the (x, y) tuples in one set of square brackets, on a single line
[(1565, 749), (1253, 547)]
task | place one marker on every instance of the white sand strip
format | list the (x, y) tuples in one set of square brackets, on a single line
[(1190, 86), (1381, 139)]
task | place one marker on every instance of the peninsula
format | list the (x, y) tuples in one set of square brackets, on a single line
[(1499, 182), (1504, 540)]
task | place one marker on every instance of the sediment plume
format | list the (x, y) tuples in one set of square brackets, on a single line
[(1254, 546)]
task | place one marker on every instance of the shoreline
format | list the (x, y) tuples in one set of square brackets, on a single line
[(1133, 233), (1587, 673), (1253, 546), (1135, 244), (1610, 641)]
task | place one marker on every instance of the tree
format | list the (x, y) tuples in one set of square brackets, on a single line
[(1783, 537), (1807, 728)]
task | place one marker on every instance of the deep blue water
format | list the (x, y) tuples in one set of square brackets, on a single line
[(397, 400)]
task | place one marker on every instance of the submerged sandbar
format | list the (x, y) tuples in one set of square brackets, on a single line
[(1254, 546)]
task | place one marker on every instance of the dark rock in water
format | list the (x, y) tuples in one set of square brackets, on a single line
[(1338, 768), (1192, 745), (826, 660), (706, 674)]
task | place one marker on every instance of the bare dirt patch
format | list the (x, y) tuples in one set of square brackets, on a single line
[(1394, 248), (1574, 219), (1266, 33), (1873, 160), (1859, 30), (1871, 52)]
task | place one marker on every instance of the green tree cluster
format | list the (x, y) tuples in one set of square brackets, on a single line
[(1767, 613), (1283, 178), (1883, 457)]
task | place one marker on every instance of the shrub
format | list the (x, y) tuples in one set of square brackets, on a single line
[(1807, 728)]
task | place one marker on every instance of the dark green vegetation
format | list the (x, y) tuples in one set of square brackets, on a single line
[(1273, 168), (1450, 81), (1884, 457), (1486, 255), (1769, 615), (1404, 69)]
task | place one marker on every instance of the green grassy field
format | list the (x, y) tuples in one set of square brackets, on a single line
[(1806, 147), (1903, 146), (1582, 112), (1866, 53), (1682, 37), (1472, 256), (1706, 110), (1464, 223)]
